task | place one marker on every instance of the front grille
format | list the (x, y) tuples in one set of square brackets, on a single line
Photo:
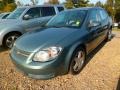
[(21, 52)]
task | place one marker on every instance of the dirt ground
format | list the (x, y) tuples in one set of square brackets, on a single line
[(102, 72)]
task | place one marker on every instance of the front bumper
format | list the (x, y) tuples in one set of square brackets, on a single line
[(1, 37), (39, 70)]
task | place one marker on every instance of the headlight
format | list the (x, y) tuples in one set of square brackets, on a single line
[(47, 54)]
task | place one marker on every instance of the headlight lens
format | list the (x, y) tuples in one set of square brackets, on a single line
[(47, 54)]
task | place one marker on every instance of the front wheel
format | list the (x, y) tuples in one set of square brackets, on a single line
[(10, 39), (78, 61)]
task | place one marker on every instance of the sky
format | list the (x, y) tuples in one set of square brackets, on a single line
[(42, 1)]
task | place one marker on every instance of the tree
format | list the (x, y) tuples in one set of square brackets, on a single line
[(109, 7), (1, 5), (99, 4), (117, 10), (34, 2), (91, 5), (52, 2), (117, 15), (69, 4), (18, 3), (76, 3), (113, 8), (83, 3), (7, 5)]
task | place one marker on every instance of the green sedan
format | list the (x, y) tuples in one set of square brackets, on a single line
[(61, 46)]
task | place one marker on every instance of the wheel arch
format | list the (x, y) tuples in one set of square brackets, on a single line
[(70, 54), (8, 33)]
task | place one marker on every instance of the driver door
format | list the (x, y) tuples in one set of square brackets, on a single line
[(32, 22)]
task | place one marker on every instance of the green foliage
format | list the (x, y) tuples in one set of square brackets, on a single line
[(53, 2), (69, 4), (99, 4), (7, 5), (76, 3), (82, 3), (109, 7), (1, 5), (113, 8), (117, 15)]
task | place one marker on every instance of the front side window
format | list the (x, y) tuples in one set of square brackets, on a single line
[(33, 13), (68, 19), (47, 11), (16, 14)]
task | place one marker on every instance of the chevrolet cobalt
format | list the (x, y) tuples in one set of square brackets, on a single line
[(62, 45)]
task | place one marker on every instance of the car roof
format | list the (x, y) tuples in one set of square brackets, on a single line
[(85, 8), (46, 5)]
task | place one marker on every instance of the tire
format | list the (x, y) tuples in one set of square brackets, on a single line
[(77, 61), (109, 35), (9, 40)]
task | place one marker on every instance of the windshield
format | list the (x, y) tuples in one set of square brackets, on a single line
[(68, 19), (16, 14), (1, 15)]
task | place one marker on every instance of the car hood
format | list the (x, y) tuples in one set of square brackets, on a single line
[(44, 37), (6, 23)]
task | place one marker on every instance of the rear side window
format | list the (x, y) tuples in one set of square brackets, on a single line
[(60, 9), (103, 14), (47, 11), (94, 16)]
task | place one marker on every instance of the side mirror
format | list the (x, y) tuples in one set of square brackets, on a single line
[(27, 17), (93, 23)]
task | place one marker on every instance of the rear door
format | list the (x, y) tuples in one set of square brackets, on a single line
[(94, 32), (104, 22), (46, 14)]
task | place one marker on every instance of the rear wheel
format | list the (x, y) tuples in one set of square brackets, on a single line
[(10, 39), (109, 35), (78, 61)]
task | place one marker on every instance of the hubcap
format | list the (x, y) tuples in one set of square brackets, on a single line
[(79, 61), (10, 40), (109, 34)]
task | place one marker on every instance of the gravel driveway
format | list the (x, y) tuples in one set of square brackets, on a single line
[(102, 72)]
